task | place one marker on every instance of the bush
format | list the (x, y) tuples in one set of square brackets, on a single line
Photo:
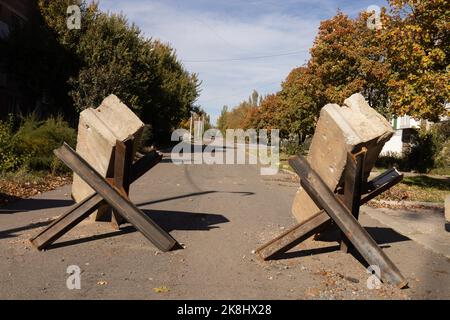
[(146, 138), (293, 145), (441, 139), (390, 160), (9, 161), (36, 140), (423, 150), (32, 145), (430, 149)]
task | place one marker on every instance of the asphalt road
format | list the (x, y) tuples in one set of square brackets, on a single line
[(220, 213)]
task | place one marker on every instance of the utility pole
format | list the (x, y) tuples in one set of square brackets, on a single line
[(190, 126)]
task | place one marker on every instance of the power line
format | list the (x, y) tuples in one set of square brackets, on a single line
[(250, 58), (213, 30)]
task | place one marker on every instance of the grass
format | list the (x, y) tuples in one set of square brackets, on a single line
[(420, 188), (444, 171), (284, 162), (23, 176)]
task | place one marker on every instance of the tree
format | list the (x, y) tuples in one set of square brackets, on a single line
[(417, 43), (222, 120), (301, 103), (114, 57), (253, 99), (348, 57), (243, 116)]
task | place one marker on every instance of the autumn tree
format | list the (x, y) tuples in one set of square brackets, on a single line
[(222, 120), (347, 57), (300, 103), (243, 116), (416, 37)]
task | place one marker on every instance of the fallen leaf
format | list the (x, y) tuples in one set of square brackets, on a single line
[(161, 289)]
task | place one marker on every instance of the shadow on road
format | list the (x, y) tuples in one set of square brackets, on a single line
[(168, 220), (179, 220), (192, 194), (35, 204), (122, 231), (382, 236), (10, 232)]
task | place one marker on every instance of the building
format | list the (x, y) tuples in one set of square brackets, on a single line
[(12, 13), (404, 127)]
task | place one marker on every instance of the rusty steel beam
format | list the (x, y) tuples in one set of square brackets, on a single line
[(363, 242), (144, 164), (70, 219), (153, 232), (123, 160), (321, 221), (353, 184), (83, 209), (382, 183), (293, 236)]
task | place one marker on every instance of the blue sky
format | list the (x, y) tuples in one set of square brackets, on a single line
[(208, 35)]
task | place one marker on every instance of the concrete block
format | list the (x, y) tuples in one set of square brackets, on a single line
[(339, 130), (98, 130)]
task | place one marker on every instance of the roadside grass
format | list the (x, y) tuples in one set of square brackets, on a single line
[(284, 162), (420, 188), (443, 171)]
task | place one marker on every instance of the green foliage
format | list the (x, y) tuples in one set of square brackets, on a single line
[(222, 120), (32, 145), (441, 140), (65, 71), (430, 148), (293, 146), (115, 58), (390, 160), (421, 156), (37, 139), (9, 161), (442, 158), (146, 138), (416, 40)]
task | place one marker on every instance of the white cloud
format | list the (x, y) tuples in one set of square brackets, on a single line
[(205, 30)]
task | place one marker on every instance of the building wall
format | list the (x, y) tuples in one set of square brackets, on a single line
[(15, 11), (12, 12), (394, 145), (399, 142)]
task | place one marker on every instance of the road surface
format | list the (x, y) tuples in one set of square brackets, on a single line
[(220, 213)]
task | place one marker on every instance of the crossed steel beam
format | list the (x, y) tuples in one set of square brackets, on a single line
[(110, 191), (340, 210)]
